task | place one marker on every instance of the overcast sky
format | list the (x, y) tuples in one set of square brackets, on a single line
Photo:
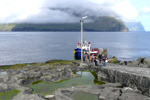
[(54, 11)]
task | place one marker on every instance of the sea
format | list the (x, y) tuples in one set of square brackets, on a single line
[(39, 47)]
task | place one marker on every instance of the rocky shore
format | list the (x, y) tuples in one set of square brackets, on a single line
[(18, 79)]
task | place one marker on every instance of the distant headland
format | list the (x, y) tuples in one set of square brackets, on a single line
[(99, 24), (104, 23)]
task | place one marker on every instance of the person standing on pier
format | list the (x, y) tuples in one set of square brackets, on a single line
[(100, 57), (104, 60), (92, 57)]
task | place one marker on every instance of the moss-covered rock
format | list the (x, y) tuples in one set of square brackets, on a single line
[(113, 60)]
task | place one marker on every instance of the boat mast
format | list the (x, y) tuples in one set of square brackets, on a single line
[(82, 37)]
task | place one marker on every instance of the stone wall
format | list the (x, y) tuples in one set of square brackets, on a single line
[(142, 83)]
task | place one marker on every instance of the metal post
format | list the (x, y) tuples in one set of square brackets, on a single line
[(81, 40)]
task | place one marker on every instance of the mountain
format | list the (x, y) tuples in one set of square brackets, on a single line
[(104, 23), (135, 26)]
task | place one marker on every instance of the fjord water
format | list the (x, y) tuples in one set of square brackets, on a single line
[(30, 47)]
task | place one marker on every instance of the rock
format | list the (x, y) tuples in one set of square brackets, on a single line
[(4, 87), (44, 67), (28, 67), (146, 61), (25, 96), (109, 93), (140, 59), (48, 97), (122, 62), (102, 76), (28, 90), (141, 62), (113, 59), (143, 65), (51, 61), (21, 81), (132, 96), (127, 89), (135, 63)]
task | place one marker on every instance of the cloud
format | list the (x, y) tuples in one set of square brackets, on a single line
[(62, 11), (125, 10), (145, 10)]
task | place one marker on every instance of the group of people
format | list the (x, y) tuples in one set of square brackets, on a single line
[(102, 59)]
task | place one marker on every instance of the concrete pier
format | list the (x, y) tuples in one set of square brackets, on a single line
[(134, 77)]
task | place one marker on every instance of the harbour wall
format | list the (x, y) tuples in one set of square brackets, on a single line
[(134, 77)]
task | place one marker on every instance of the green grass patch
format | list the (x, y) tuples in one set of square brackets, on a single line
[(9, 95), (54, 63), (16, 66), (36, 82), (116, 62)]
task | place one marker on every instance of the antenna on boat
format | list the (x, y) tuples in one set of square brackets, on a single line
[(79, 39), (82, 37)]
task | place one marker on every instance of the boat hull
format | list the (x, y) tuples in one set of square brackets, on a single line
[(77, 53)]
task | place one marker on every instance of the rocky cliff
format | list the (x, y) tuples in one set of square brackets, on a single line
[(135, 26)]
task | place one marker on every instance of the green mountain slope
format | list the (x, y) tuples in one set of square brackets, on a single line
[(99, 24)]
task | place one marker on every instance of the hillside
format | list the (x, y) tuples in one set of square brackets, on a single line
[(99, 24), (135, 26)]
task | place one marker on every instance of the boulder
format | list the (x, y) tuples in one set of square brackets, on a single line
[(49, 96), (146, 61), (123, 62), (141, 62), (140, 59)]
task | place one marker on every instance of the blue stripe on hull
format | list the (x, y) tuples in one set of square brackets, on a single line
[(77, 54)]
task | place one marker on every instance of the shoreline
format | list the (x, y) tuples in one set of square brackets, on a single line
[(119, 78), (55, 71)]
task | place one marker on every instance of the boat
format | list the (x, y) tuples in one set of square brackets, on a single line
[(84, 47)]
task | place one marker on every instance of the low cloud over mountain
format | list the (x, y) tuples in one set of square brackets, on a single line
[(63, 11)]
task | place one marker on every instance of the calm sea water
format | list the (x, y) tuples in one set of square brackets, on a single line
[(30, 47)]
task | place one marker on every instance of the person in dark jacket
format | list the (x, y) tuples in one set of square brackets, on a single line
[(100, 58), (96, 61), (104, 61)]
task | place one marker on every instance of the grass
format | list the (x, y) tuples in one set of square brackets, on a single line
[(36, 82), (9, 95), (53, 63), (116, 62), (16, 66)]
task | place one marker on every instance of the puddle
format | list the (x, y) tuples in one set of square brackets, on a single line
[(9, 95), (3, 73), (84, 96), (44, 88), (23, 71)]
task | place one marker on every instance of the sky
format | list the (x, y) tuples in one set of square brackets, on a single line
[(66, 11)]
